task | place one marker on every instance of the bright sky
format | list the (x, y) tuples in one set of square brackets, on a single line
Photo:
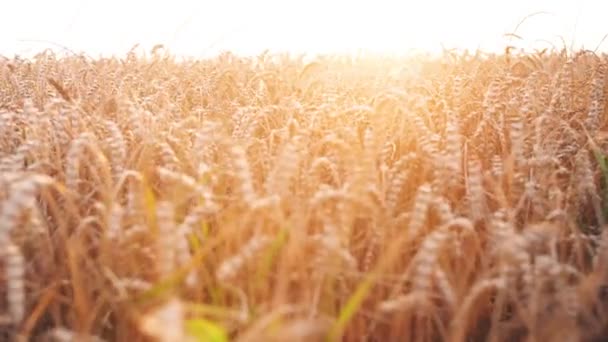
[(204, 27)]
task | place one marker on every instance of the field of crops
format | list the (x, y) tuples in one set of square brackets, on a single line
[(276, 198)]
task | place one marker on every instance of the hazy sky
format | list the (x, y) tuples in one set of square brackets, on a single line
[(204, 27)]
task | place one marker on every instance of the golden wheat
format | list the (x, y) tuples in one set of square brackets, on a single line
[(459, 197)]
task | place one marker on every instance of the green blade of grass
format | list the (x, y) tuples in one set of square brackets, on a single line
[(205, 331), (603, 163), (348, 311)]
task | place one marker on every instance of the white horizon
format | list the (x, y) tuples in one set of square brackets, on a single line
[(204, 28)]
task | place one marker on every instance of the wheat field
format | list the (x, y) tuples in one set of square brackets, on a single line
[(273, 198)]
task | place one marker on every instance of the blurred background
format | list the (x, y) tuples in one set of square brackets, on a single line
[(204, 28)]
